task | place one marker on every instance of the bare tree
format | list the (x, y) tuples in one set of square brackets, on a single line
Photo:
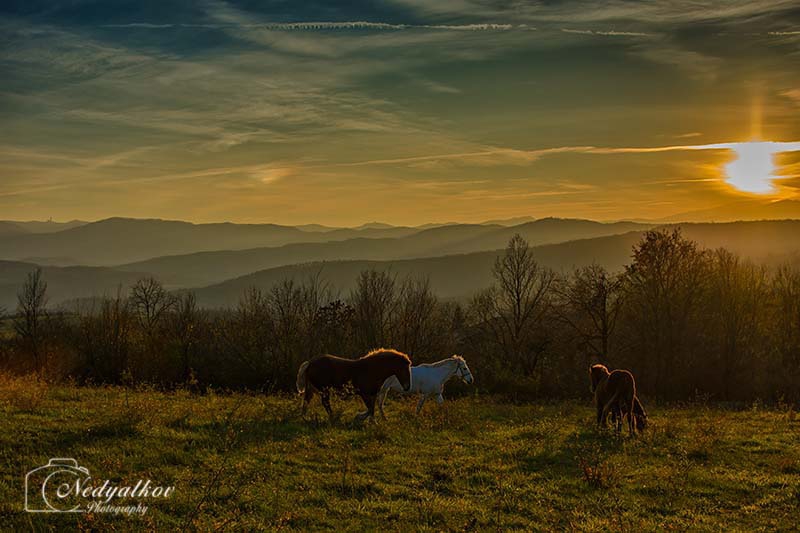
[(785, 322), (737, 298), (590, 302), (105, 338), (150, 303), (186, 322), (375, 302), (511, 311), (293, 309), (31, 318), (414, 327)]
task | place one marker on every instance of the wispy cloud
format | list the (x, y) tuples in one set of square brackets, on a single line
[(607, 33), (323, 25)]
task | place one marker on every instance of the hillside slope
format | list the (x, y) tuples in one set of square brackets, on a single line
[(121, 240), (212, 267), (63, 283), (460, 276)]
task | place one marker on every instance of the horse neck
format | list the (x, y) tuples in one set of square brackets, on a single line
[(601, 383), (447, 369)]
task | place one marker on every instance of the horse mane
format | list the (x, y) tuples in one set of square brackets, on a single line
[(444, 361), (380, 351)]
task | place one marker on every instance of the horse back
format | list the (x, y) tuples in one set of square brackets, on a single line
[(327, 371), (621, 383)]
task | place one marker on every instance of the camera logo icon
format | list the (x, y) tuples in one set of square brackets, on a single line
[(55, 487)]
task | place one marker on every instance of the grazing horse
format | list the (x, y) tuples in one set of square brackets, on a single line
[(613, 390), (428, 380), (327, 372)]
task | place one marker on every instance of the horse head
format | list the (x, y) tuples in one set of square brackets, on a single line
[(597, 373), (462, 370), (404, 376)]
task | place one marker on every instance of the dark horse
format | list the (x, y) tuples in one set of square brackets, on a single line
[(614, 393), (366, 375)]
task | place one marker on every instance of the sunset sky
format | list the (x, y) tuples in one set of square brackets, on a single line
[(407, 111)]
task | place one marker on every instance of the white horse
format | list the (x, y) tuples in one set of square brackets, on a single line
[(428, 380)]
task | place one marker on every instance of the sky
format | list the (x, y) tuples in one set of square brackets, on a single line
[(404, 111)]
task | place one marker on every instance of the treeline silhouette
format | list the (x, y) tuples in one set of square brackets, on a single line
[(687, 321)]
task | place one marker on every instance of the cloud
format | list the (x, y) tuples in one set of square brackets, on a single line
[(793, 95), (699, 66), (582, 11), (506, 155), (323, 26), (607, 33)]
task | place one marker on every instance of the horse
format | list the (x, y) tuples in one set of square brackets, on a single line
[(613, 390), (428, 380), (366, 374)]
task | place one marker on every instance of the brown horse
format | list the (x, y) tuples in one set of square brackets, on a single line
[(613, 391), (366, 375)]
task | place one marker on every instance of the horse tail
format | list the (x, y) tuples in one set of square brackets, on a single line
[(301, 378)]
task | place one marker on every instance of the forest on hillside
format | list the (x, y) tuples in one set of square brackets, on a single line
[(688, 322)]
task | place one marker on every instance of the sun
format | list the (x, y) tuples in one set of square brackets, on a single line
[(753, 167)]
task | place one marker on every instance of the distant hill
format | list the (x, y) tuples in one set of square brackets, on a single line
[(122, 240), (63, 283), (374, 225), (744, 209), (212, 267), (452, 276), (543, 231), (460, 276), (10, 228), (45, 226), (515, 221)]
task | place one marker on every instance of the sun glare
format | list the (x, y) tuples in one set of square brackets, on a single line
[(753, 169)]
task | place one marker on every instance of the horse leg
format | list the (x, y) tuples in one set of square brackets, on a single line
[(606, 408), (631, 419), (307, 397), (381, 400), (421, 402), (325, 397), (369, 402)]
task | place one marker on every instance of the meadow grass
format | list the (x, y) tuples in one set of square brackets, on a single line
[(248, 462)]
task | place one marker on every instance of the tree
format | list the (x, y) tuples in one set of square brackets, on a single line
[(666, 283), (785, 324), (414, 322), (591, 300), (738, 292), (105, 338), (31, 318), (512, 309), (186, 322), (374, 301), (150, 303)]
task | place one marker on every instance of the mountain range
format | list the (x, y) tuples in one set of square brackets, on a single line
[(457, 258)]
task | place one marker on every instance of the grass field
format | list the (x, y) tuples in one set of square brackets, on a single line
[(248, 462)]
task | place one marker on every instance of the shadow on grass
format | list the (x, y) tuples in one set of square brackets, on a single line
[(561, 457)]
